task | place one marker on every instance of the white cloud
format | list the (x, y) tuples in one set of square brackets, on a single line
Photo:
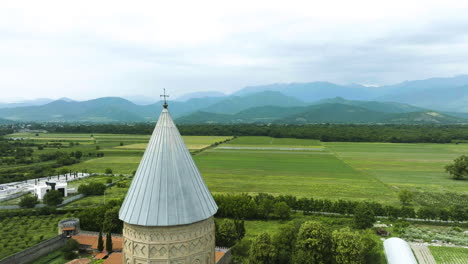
[(86, 49)]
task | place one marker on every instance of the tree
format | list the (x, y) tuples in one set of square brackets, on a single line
[(64, 171), (108, 171), (281, 210), (226, 234), (93, 188), (112, 223), (28, 201), (459, 168), (100, 243), (363, 216), (348, 247), (405, 196), (284, 241), (69, 249), (53, 198), (313, 244), (78, 154), (109, 243), (240, 229), (262, 250)]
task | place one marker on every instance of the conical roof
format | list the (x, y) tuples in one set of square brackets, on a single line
[(167, 188)]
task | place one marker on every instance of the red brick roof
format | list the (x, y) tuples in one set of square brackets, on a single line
[(218, 256), (101, 255), (92, 241), (114, 258), (80, 261)]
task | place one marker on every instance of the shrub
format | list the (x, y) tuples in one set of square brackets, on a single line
[(28, 201), (93, 188), (53, 198)]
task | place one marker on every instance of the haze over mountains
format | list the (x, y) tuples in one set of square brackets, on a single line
[(431, 101)]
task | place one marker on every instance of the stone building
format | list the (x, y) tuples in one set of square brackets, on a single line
[(168, 211)]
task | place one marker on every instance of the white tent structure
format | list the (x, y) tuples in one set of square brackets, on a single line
[(397, 251)]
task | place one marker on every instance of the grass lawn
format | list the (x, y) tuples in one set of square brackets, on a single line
[(449, 255)]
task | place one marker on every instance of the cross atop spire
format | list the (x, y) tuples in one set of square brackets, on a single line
[(164, 95)]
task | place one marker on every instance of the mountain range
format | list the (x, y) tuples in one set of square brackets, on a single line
[(433, 101)]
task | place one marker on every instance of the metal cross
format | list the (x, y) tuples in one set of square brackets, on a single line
[(164, 95)]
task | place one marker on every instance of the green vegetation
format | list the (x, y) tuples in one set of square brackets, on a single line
[(274, 142), (53, 198), (100, 245), (338, 176), (428, 233), (55, 257), (21, 232), (28, 201), (50, 153), (449, 255), (109, 242), (350, 171), (459, 169), (69, 249)]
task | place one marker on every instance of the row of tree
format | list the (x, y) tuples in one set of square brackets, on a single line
[(93, 188), (266, 206), (324, 132), (314, 243)]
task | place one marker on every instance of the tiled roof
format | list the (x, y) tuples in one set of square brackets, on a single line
[(79, 261), (167, 189), (92, 241), (218, 255), (101, 255), (114, 258)]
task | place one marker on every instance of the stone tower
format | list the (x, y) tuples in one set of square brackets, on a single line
[(168, 211)]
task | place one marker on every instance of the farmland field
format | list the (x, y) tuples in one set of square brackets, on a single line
[(449, 255), (301, 167), (418, 167), (21, 232)]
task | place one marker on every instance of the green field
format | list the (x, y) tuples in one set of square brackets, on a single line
[(418, 167), (301, 167), (122, 152), (273, 142), (449, 255)]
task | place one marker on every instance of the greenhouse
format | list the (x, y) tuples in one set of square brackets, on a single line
[(397, 251)]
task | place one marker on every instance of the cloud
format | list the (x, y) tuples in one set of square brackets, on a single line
[(87, 49)]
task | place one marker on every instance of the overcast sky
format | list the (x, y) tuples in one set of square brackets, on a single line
[(88, 49)]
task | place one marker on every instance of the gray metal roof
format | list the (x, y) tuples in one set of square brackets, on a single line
[(167, 188)]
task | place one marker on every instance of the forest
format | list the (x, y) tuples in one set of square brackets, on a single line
[(323, 132)]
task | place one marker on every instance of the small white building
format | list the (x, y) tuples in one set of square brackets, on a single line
[(41, 189)]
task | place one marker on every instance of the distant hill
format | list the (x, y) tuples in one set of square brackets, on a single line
[(314, 91), (189, 96), (386, 107), (322, 113), (5, 121), (235, 104), (445, 94), (105, 109), (39, 101)]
